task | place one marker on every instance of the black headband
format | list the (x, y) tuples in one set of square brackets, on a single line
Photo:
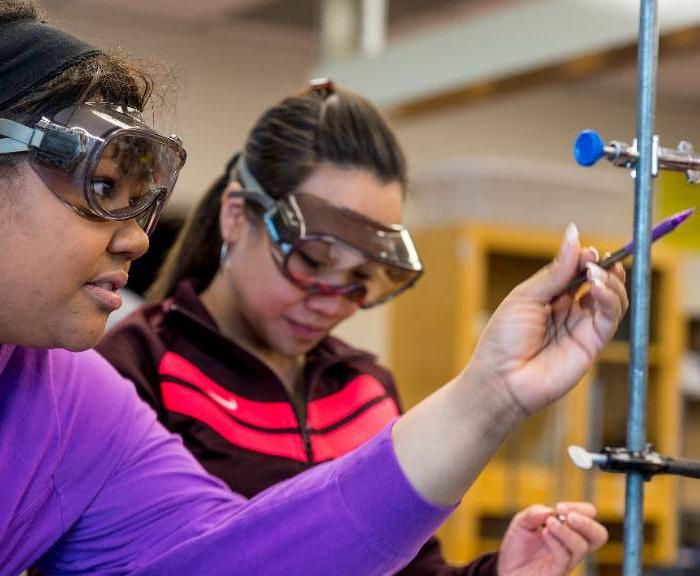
[(31, 52)]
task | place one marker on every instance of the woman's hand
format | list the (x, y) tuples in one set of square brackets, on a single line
[(536, 347), (540, 342), (550, 541)]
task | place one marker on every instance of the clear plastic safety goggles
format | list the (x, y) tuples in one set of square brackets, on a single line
[(101, 161), (325, 249)]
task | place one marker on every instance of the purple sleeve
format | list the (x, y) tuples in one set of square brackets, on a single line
[(134, 499)]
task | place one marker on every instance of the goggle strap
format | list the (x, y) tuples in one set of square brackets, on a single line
[(9, 146), (19, 138), (252, 185), (265, 201)]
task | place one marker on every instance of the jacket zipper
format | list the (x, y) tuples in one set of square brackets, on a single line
[(303, 428), (305, 432), (303, 422)]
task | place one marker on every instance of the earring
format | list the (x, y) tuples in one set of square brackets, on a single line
[(223, 254)]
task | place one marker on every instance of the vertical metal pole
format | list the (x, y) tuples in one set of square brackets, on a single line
[(641, 279), (595, 438)]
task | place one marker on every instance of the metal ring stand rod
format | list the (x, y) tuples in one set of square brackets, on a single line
[(641, 280)]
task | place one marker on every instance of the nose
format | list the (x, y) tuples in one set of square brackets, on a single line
[(330, 306), (129, 241)]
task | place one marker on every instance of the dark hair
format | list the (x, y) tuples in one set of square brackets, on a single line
[(113, 78), (284, 147), (15, 10)]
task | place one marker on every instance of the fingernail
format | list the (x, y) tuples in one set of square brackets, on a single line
[(561, 518), (595, 274), (571, 235), (595, 251)]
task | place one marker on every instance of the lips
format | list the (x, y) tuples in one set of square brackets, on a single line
[(111, 281), (104, 289), (111, 286), (306, 331)]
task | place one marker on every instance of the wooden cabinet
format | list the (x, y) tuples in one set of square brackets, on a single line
[(690, 448), (435, 326)]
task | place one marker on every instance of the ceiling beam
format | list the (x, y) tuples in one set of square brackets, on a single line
[(511, 40)]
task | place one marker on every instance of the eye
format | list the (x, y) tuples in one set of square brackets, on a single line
[(364, 272), (361, 275), (312, 263), (103, 187)]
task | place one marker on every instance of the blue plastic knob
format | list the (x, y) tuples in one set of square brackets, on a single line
[(588, 148)]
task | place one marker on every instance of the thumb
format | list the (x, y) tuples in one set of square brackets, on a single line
[(532, 518), (555, 277)]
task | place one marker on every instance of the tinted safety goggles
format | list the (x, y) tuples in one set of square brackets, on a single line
[(101, 161), (326, 249)]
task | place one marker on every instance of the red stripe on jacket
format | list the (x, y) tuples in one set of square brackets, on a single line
[(356, 432), (262, 414), (331, 409), (184, 400), (214, 405)]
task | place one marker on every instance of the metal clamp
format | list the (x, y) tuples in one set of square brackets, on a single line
[(589, 148), (622, 460)]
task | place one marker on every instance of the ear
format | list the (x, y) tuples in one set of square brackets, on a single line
[(231, 214)]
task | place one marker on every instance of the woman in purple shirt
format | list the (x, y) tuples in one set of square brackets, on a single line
[(90, 482)]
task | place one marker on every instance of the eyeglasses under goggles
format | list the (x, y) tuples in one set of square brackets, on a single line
[(326, 249)]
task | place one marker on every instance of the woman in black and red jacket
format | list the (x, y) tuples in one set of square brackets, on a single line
[(236, 356)]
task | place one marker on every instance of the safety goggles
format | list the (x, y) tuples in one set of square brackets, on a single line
[(101, 161), (326, 249)]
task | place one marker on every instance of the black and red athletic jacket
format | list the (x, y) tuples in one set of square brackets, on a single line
[(235, 415)]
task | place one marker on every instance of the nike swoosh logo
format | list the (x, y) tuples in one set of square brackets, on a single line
[(228, 404)]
